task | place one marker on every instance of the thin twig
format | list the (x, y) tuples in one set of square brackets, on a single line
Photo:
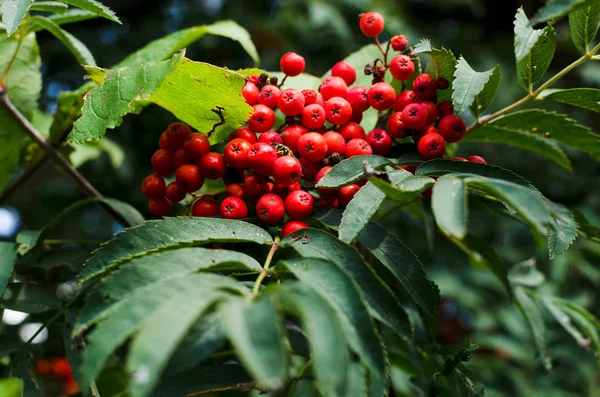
[(265, 271)]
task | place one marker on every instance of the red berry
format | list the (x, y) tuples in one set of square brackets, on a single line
[(243, 133), (270, 208), (287, 170), (254, 79), (310, 96), (476, 159), (313, 116), (261, 158), (299, 204), (250, 93), (153, 186), (346, 194), (428, 129), (292, 64), (424, 87), (345, 71), (452, 128), (431, 146), (395, 126), (44, 367), (212, 165), (262, 119), (255, 185), (338, 111), (205, 207), (197, 145), (309, 169), (177, 133), (180, 158), (432, 111), (270, 137), (189, 178), (335, 143), (380, 141), (293, 226), (404, 99), (333, 86), (461, 159), (357, 147), (409, 168), (356, 117), (414, 116), (233, 208), (358, 98), (352, 131), (160, 206), (371, 24), (234, 190), (235, 153), (312, 146), (291, 102), (162, 162), (382, 96), (445, 108), (164, 144), (269, 95), (399, 43), (291, 134), (328, 201), (174, 193), (442, 83), (322, 172), (402, 67)]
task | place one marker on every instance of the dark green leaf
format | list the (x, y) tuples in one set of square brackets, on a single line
[(351, 170), (586, 229), (29, 298), (449, 204), (204, 380), (13, 12), (559, 8), (70, 16), (527, 274), (11, 387), (464, 354), (8, 257), (566, 322), (586, 98), (525, 35), (443, 64), (468, 84), (381, 300), (49, 6), (153, 236), (406, 189), (440, 167), (255, 331), (584, 24), (532, 67), (95, 7), (563, 230), (484, 99), (531, 311), (403, 264)]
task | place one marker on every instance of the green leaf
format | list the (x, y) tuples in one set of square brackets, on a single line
[(49, 6), (351, 170), (139, 272), (566, 322), (94, 7), (8, 257), (88, 151), (468, 84), (559, 8), (484, 99), (403, 264), (169, 233), (11, 387), (383, 303), (531, 311), (300, 82), (534, 50), (443, 63), (336, 287), (406, 189), (29, 298), (525, 36), (204, 380), (363, 206), (586, 98), (527, 274), (449, 204), (70, 16), (13, 12), (255, 331), (440, 167), (584, 24), (563, 230), (23, 84), (77, 48), (464, 354)]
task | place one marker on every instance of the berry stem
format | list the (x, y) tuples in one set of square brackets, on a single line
[(383, 52), (265, 272), (282, 81), (538, 91)]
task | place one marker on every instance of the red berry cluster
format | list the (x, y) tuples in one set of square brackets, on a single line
[(58, 368), (268, 168)]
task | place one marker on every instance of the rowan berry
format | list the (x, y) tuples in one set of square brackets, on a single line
[(346, 194), (43, 366), (432, 111), (189, 178), (250, 93), (234, 190), (351, 131), (292, 64), (461, 159), (357, 147), (310, 96), (358, 98), (452, 128), (286, 170), (338, 111), (322, 172), (153, 186), (270, 208), (371, 24), (409, 168), (333, 86), (445, 108), (212, 165), (382, 96), (424, 87), (261, 158), (399, 43), (291, 134), (395, 126), (328, 201), (162, 162), (335, 143), (431, 146), (299, 204), (291, 102), (476, 159), (283, 190), (243, 133), (196, 145), (271, 138), (442, 83), (233, 208), (255, 186), (269, 95), (414, 116), (309, 169), (177, 133), (174, 193), (313, 116), (345, 71), (312, 146), (380, 142), (180, 157), (164, 144), (160, 206), (404, 99), (262, 119), (205, 207), (402, 67), (292, 226)]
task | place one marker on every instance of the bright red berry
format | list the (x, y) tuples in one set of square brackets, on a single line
[(174, 193), (205, 207), (292, 64), (262, 119), (352, 131), (255, 185), (345, 71), (250, 93), (432, 111), (299, 204), (335, 143), (196, 145), (233, 208), (180, 157), (424, 87), (269, 95), (312, 146), (162, 162), (291, 134), (310, 96), (286, 170), (414, 116), (283, 190), (445, 108), (476, 159), (177, 133), (163, 142), (189, 178), (235, 153), (309, 169), (404, 99), (399, 43), (382, 96), (442, 83), (358, 98), (212, 165), (380, 142), (431, 146), (254, 79), (261, 158), (291, 102), (346, 194), (333, 86), (313, 116), (395, 126), (153, 186), (235, 190), (371, 24), (322, 172), (402, 67), (270, 208), (338, 111), (452, 128), (461, 159), (270, 137), (358, 147), (243, 133), (160, 206), (292, 226)]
